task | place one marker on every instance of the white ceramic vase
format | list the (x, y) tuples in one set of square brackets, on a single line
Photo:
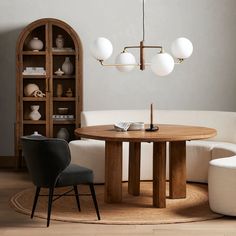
[(36, 44), (59, 41), (67, 66), (34, 114)]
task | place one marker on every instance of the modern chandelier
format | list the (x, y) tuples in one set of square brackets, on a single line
[(161, 64)]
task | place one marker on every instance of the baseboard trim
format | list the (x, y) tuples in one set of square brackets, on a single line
[(8, 162)]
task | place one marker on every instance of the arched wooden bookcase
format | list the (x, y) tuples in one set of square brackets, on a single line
[(50, 58)]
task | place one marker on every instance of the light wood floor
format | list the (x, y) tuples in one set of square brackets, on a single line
[(13, 223)]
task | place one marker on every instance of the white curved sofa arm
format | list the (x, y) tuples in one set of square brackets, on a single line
[(90, 154), (223, 149), (221, 185)]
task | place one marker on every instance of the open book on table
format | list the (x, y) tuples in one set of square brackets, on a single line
[(126, 126)]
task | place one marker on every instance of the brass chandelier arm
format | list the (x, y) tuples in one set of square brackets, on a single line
[(124, 50), (141, 48), (179, 61), (138, 64), (104, 64), (155, 46), (159, 47)]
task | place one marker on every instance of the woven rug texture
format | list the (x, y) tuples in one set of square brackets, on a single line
[(133, 209)]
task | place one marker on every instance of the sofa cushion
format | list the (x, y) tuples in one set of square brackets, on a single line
[(198, 155), (90, 154)]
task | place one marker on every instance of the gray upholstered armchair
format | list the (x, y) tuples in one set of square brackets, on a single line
[(48, 161)]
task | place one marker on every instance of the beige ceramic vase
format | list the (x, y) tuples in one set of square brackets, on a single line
[(36, 44), (59, 90), (34, 114), (67, 66)]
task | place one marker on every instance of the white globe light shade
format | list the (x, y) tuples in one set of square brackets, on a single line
[(127, 59), (101, 48), (162, 64), (182, 48)]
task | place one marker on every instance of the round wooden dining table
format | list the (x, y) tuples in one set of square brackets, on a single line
[(176, 135)]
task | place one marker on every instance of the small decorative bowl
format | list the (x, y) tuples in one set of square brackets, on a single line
[(59, 72), (62, 110), (136, 126)]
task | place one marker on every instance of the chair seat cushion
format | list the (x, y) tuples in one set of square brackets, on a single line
[(75, 174)]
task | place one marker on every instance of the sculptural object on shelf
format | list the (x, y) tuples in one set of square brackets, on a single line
[(39, 94), (36, 44), (67, 66), (69, 92), (34, 114), (59, 72), (32, 90), (59, 41)]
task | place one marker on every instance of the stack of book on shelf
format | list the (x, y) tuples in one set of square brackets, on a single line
[(63, 50), (34, 71), (63, 117)]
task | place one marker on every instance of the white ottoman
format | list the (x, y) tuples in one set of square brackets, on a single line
[(222, 185)]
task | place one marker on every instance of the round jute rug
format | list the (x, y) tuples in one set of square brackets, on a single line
[(133, 209)]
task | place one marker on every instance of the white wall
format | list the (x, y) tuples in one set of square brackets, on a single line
[(207, 81)]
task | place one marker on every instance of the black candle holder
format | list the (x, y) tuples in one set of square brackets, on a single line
[(152, 128)]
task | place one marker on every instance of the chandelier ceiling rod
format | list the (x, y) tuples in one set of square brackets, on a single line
[(162, 63), (143, 21)]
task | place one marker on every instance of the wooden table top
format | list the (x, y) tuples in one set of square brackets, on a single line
[(166, 132)]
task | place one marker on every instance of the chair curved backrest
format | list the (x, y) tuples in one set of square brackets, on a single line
[(45, 158)]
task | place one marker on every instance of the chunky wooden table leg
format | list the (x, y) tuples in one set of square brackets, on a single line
[(134, 168), (113, 172), (177, 151), (159, 174)]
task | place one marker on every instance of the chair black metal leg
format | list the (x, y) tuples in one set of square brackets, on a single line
[(77, 196), (50, 198), (35, 201), (94, 200)]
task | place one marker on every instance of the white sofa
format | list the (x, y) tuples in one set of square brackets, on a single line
[(91, 153)]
